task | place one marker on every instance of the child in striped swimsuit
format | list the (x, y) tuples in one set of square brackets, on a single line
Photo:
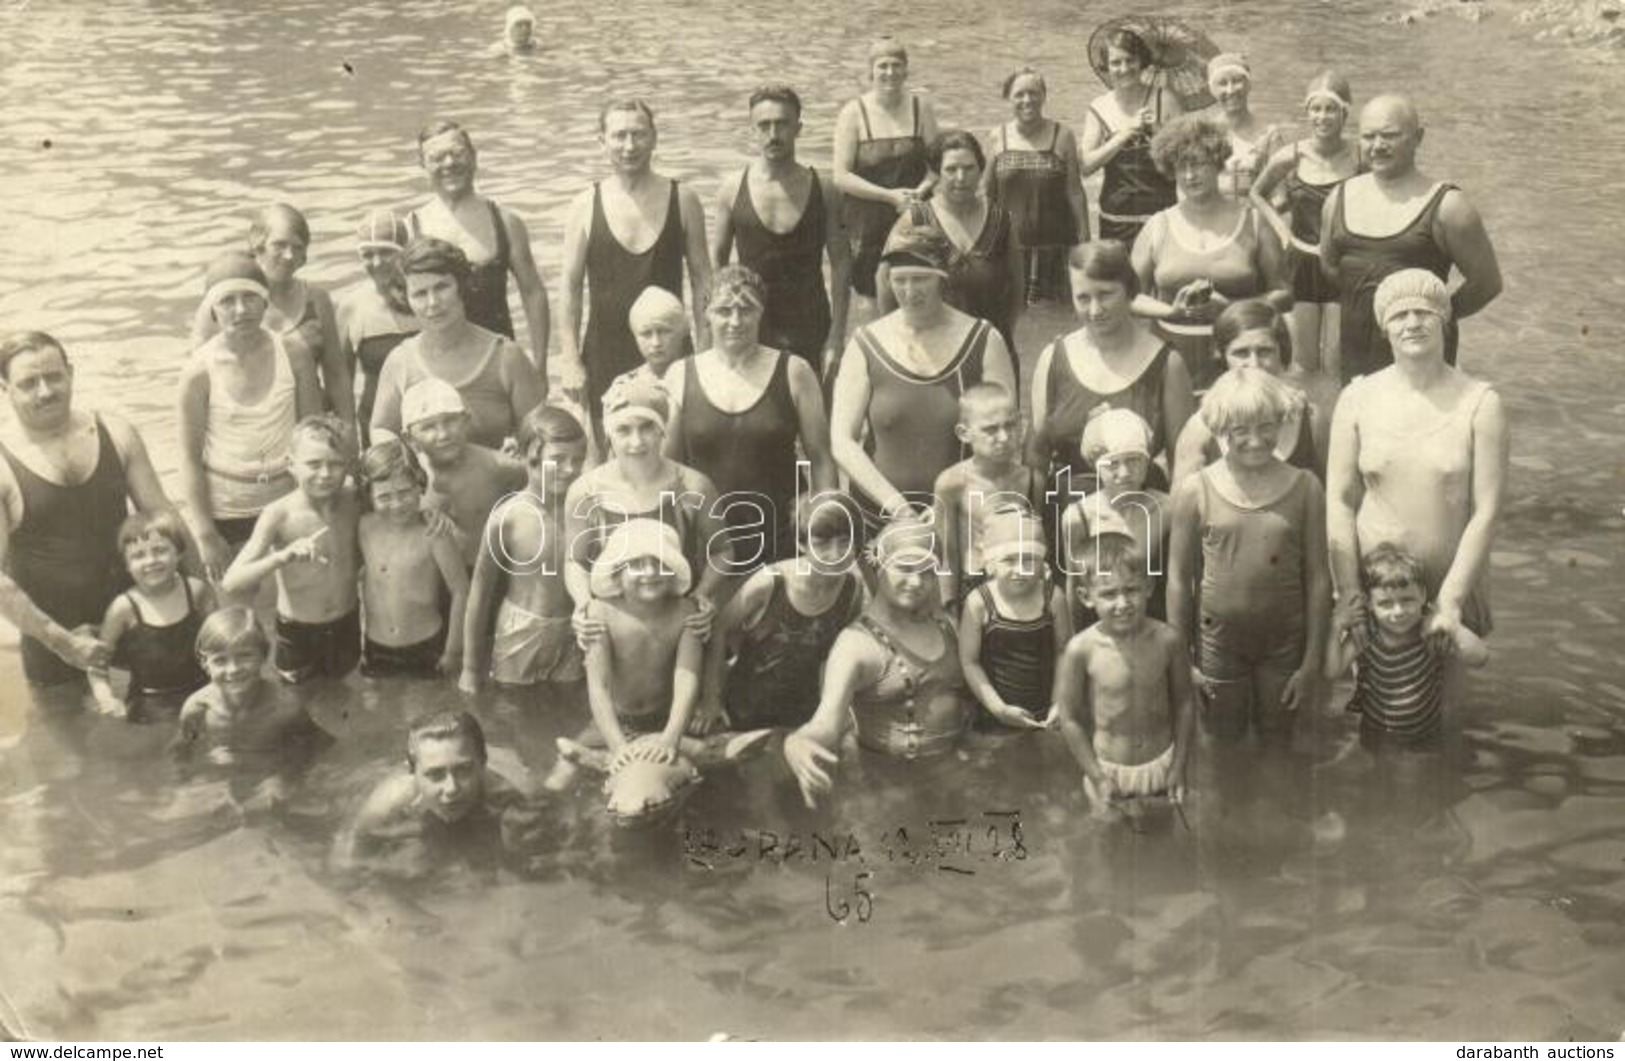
[(1399, 686)]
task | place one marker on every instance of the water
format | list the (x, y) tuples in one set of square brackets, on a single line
[(1310, 898)]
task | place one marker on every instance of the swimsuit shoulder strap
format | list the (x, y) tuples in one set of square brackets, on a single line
[(501, 233), (863, 112), (914, 131), (989, 603), (135, 605), (1054, 136)]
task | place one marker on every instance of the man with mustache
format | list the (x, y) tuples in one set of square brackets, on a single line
[(1397, 217), (67, 478), (786, 219)]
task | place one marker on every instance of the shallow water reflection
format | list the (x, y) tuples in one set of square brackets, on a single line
[(1314, 895)]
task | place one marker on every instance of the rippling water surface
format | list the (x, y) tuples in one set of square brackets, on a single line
[(1481, 898)]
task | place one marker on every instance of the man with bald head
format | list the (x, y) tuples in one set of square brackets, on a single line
[(1397, 217)]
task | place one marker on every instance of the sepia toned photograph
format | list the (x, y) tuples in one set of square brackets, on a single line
[(675, 520)]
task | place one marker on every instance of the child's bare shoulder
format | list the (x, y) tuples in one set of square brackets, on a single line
[(950, 482)]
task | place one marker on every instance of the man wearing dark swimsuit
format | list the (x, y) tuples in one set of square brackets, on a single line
[(785, 233), (1397, 217), (493, 237), (622, 235), (67, 478)]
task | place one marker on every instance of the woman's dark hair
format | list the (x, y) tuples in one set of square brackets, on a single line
[(1251, 314), (1128, 41), (955, 140), (428, 254), (1107, 260), (1026, 71), (1190, 134)]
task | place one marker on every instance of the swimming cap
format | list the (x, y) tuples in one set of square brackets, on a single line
[(918, 246), (231, 272), (907, 539), (631, 398), (1008, 532), (1411, 289), (519, 13), (429, 397), (1228, 62), (381, 228), (1115, 431), (887, 46), (657, 304), (634, 540), (1326, 93)]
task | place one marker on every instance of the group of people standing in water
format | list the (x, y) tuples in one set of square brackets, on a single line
[(1253, 466)]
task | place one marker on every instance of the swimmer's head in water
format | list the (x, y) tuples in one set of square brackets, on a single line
[(1252, 315), (446, 755), (519, 26)]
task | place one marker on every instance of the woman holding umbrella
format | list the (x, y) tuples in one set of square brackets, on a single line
[(1118, 128)]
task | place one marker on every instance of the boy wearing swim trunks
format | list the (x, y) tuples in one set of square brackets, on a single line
[(522, 563), (990, 478), (1123, 686), (466, 480), (309, 540)]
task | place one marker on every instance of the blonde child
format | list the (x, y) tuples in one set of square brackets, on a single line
[(1400, 685), (239, 714), (1123, 688), (308, 539), (150, 628), (466, 480), (992, 476), (404, 570), (522, 564), (1014, 626), (1250, 531), (660, 325)]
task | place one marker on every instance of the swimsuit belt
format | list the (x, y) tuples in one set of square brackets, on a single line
[(1134, 219), (269, 475)]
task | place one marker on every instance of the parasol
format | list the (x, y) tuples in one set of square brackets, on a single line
[(1179, 55)]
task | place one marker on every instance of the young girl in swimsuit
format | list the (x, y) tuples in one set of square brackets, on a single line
[(1253, 141), (1297, 181), (1117, 138), (1014, 626), (150, 628), (1251, 530)]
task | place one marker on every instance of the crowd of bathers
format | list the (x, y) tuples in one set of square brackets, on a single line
[(751, 522)]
